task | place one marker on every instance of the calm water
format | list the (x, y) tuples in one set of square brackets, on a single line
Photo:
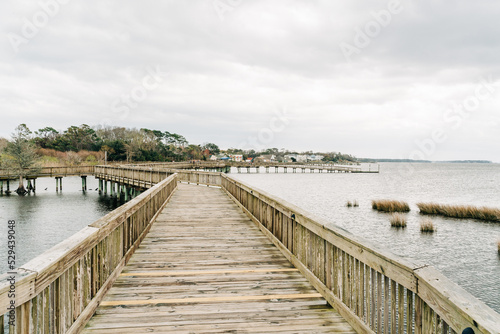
[(47, 218), (464, 250)]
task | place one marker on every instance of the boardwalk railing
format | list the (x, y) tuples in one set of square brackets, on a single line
[(146, 177), (376, 291), (52, 171), (58, 291), (373, 289)]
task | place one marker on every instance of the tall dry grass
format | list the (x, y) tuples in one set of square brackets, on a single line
[(460, 211), (398, 220), (54, 158), (498, 247), (390, 206), (427, 226), (351, 204)]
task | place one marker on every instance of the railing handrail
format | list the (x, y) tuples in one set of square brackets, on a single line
[(41, 272), (52, 171)]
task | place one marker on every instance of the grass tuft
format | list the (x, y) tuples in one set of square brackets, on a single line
[(390, 206), (460, 211), (427, 226), (350, 204), (498, 247), (398, 220)]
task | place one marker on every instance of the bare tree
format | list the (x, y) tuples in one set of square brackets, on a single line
[(21, 157)]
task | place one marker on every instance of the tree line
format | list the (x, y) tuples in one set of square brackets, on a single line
[(123, 144), (22, 153)]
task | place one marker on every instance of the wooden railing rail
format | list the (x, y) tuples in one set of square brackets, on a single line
[(145, 177), (58, 291), (376, 291), (52, 171)]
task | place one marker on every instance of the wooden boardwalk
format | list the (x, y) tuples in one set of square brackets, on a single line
[(206, 268)]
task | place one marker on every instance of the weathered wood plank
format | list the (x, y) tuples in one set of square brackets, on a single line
[(184, 264)]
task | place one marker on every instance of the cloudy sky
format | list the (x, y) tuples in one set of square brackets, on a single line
[(394, 79)]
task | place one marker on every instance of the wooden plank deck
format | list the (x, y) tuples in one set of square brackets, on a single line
[(206, 268)]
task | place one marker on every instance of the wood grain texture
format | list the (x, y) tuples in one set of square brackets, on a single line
[(205, 267)]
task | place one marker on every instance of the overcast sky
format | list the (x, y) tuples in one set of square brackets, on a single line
[(371, 78)]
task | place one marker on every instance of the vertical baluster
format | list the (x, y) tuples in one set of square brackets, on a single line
[(345, 284), (386, 304), (427, 322), (373, 298), (321, 259), (394, 307), (336, 270), (361, 290), (418, 315), (379, 302), (438, 324), (358, 284), (33, 316), (401, 307), (367, 294), (328, 265), (46, 310), (445, 328), (409, 313), (352, 288)]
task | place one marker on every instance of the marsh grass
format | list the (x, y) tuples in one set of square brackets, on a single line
[(460, 211), (427, 226), (390, 206), (398, 220), (351, 204)]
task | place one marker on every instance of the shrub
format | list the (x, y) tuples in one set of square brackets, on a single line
[(398, 220), (427, 226), (390, 206), (350, 204), (460, 211)]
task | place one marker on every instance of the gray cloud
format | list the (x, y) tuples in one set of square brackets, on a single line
[(225, 78)]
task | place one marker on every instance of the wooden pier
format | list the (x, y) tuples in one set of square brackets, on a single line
[(219, 255), (206, 267)]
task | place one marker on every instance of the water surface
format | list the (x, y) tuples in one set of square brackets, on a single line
[(48, 217), (464, 250)]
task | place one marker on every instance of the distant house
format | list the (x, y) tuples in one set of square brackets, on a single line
[(249, 160), (213, 158), (236, 157), (314, 157), (295, 158), (266, 158)]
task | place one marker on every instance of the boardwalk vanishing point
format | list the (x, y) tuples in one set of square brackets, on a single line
[(205, 268), (201, 252)]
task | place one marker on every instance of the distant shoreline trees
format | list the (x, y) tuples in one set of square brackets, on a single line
[(84, 143)]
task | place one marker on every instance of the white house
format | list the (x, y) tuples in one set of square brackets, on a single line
[(266, 158), (236, 157)]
